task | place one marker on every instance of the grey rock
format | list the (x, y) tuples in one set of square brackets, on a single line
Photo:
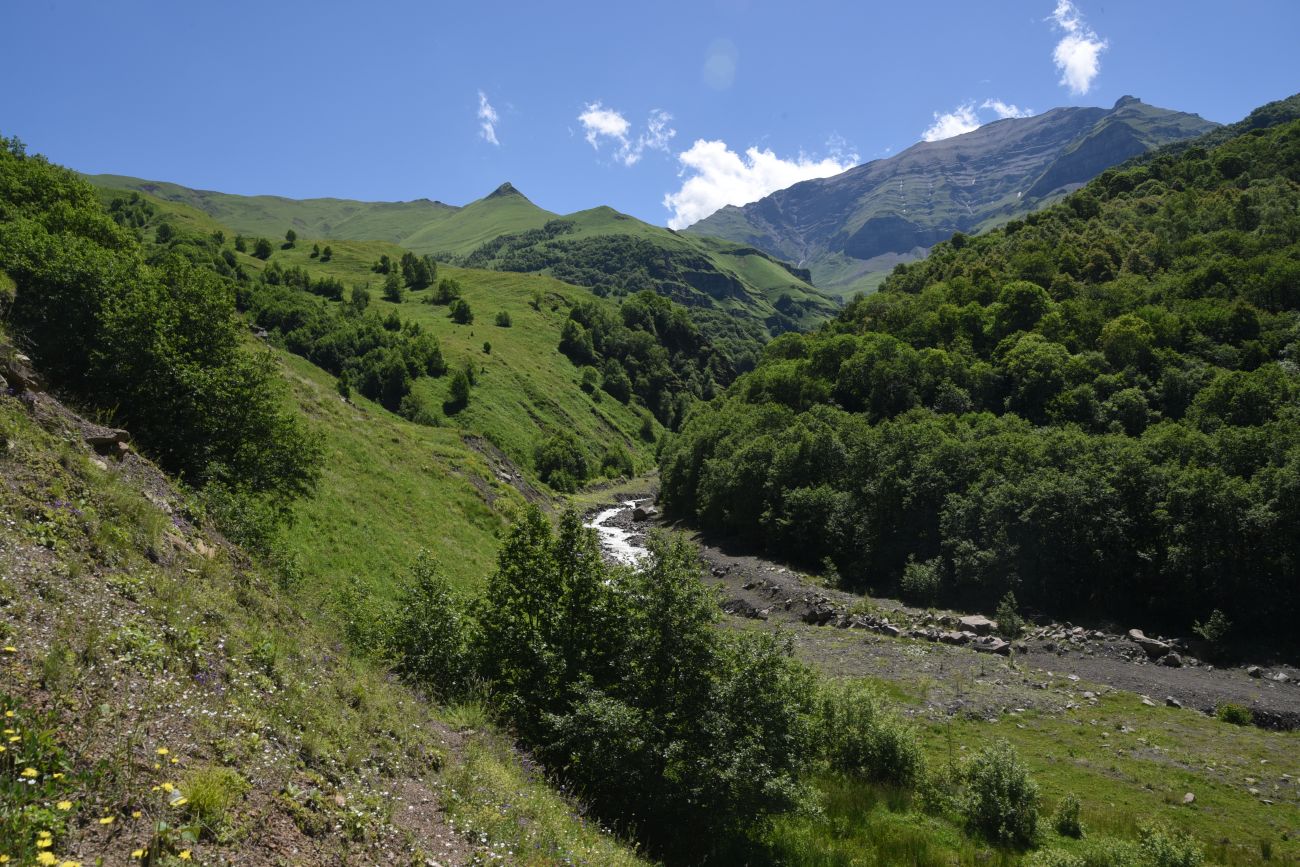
[(1154, 647), (1189, 798), (979, 624), (989, 644), (1171, 660), (1170, 701), (1254, 671)]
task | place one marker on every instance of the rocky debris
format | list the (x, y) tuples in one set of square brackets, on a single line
[(640, 514), (1170, 701), (743, 608), (819, 615), (19, 373), (110, 442), (1189, 798), (979, 624), (1154, 647), (1254, 671), (1171, 660), (959, 639)]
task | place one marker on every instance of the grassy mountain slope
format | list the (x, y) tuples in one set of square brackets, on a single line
[(273, 215), (610, 251), (171, 699), (727, 277), (851, 228)]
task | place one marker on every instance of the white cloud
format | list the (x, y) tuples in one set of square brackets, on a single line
[(716, 176), (1004, 110), (1078, 54), (601, 124), (961, 119), (965, 118), (487, 116)]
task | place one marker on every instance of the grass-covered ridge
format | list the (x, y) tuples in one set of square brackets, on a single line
[(1095, 407)]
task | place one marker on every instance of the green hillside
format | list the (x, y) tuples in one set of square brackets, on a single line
[(273, 215), (733, 285)]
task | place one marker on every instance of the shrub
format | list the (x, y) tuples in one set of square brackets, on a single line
[(503, 319), (431, 636), (561, 453), (461, 313), (1066, 818), (458, 395), (860, 737), (921, 581), (1215, 629), (1001, 801), (211, 793), (1161, 847), (1234, 713), (1010, 624), (262, 249)]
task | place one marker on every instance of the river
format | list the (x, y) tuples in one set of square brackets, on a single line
[(616, 541)]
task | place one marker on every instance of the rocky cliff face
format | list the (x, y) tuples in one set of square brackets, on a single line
[(852, 228)]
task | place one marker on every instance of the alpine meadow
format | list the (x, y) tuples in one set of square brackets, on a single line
[(831, 462)]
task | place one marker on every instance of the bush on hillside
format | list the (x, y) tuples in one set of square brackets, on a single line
[(1001, 801), (431, 638), (860, 736)]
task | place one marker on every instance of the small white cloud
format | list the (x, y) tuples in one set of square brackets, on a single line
[(1078, 54), (1005, 110), (965, 118), (600, 124), (716, 176), (487, 116), (961, 119)]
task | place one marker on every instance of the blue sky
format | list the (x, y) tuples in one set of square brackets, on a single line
[(663, 110)]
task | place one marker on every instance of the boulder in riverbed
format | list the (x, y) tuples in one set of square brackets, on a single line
[(979, 624)]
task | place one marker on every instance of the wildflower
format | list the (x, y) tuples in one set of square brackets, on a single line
[(4, 859), (2, 748), (44, 842), (9, 648), (64, 805), (135, 814), (29, 773), (106, 820), (70, 864), (185, 855), (47, 858), (176, 761), (11, 731), (57, 776), (167, 787), (138, 853), (180, 802), (13, 739), (8, 715), (157, 767), (162, 751)]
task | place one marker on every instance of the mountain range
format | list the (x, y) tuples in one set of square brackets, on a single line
[(850, 230)]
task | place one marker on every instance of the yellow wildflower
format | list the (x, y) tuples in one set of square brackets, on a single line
[(58, 776), (157, 767), (44, 842), (106, 820), (9, 715), (162, 751), (9, 648), (167, 787), (180, 802), (185, 855), (135, 814), (138, 853), (47, 858), (2, 749), (11, 731), (176, 761), (64, 805), (13, 739), (29, 773), (70, 864), (4, 859)]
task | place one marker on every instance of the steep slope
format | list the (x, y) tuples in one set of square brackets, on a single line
[(503, 210), (851, 229)]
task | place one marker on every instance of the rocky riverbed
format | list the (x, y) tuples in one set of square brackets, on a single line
[(956, 657)]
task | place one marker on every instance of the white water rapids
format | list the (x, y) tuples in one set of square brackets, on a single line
[(615, 541)]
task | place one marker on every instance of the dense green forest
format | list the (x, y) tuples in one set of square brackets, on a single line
[(1095, 406)]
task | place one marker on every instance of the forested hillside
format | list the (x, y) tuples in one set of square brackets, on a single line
[(1095, 407)]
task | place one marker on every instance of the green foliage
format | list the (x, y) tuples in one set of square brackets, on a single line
[(1010, 624), (1160, 847), (1234, 713), (502, 319), (431, 638), (1096, 406), (393, 290), (290, 238), (1215, 629), (1001, 801), (1065, 821), (211, 793), (621, 682), (860, 736), (460, 312), (327, 254), (458, 393), (262, 249), (562, 462), (155, 341)]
